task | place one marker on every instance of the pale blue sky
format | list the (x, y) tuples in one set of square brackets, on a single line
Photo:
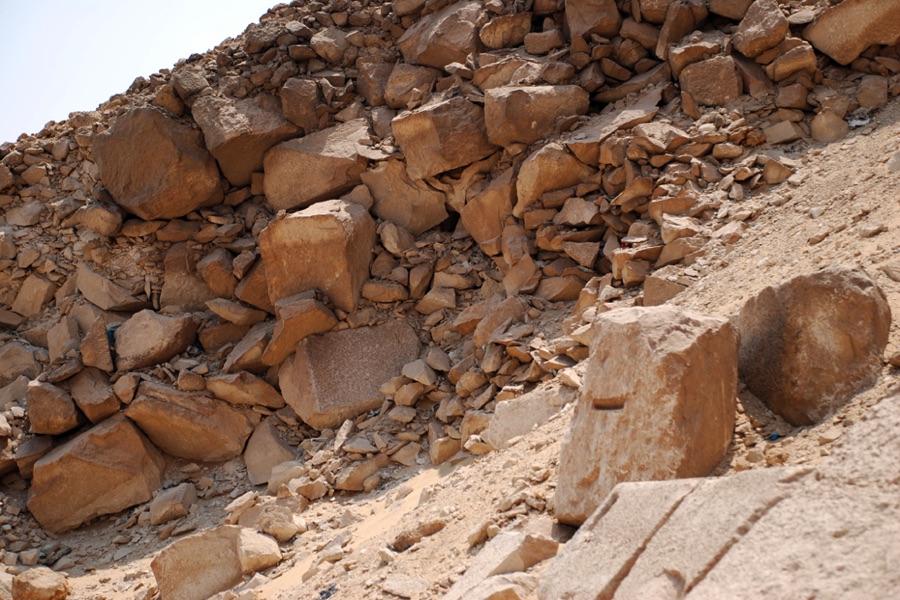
[(61, 56)]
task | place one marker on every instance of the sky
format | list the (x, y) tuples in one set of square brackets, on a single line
[(62, 56)]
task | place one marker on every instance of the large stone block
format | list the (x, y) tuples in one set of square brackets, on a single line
[(407, 202), (319, 166), (657, 403), (155, 167), (327, 246), (102, 471), (337, 376), (51, 410), (239, 132), (593, 16), (442, 135), (149, 338), (191, 425), (548, 168), (844, 31), (446, 36), (810, 343), (763, 27), (712, 82), (525, 114)]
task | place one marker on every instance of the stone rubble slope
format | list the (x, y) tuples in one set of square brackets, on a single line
[(363, 238)]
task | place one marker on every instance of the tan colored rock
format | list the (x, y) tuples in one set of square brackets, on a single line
[(265, 449), (682, 18), (665, 380), (93, 394), (732, 9), (39, 583), (483, 215), (149, 338), (298, 317), (244, 388), (190, 425), (318, 166), (105, 294), (235, 312), (327, 246), (218, 273), (811, 342), (443, 37), (783, 132), (592, 16), (763, 27), (201, 565), (408, 84), (517, 417), (711, 82), (253, 288), (183, 287), (172, 503), (239, 132), (353, 477), (62, 339), (155, 167), (248, 352), (330, 43), (409, 203), (374, 72), (506, 31), (442, 135), (108, 468), (872, 92), (36, 291), (548, 168), (658, 289), (299, 101), (337, 375), (828, 126), (51, 410), (6, 177), (797, 59), (17, 359), (844, 31), (526, 114)]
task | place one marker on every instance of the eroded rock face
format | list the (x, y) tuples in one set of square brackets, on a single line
[(155, 167), (407, 202), (328, 247), (525, 114), (657, 403), (844, 31), (191, 425), (238, 133), (440, 136), (319, 166), (441, 38), (336, 376), (810, 343), (149, 338), (104, 470)]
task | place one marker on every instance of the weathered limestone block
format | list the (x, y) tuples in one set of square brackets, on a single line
[(506, 31), (483, 215), (191, 425), (319, 166), (239, 132), (407, 83), (102, 471), (811, 342), (337, 376), (657, 403), (36, 291), (155, 167), (149, 338), (763, 27), (244, 388), (442, 135), (443, 37), (299, 102), (93, 394), (201, 565), (298, 317), (327, 246), (50, 409), (592, 16), (711, 82), (844, 31), (172, 503), (265, 449), (525, 114), (38, 583), (548, 168), (407, 202)]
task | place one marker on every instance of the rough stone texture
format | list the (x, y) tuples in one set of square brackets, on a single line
[(244, 388), (593, 16), (516, 417), (810, 343), (201, 565), (483, 215), (319, 166), (149, 338), (155, 167), (443, 37), (50, 409), (763, 27), (549, 168), (36, 291), (657, 403), (298, 318), (93, 394), (239, 132), (844, 31), (327, 246), (336, 376), (712, 82), (102, 471), (183, 287), (733, 9), (17, 359), (442, 135), (105, 294), (172, 503), (39, 583), (505, 31), (190, 425), (265, 450), (299, 99), (407, 202), (408, 83), (525, 114)]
